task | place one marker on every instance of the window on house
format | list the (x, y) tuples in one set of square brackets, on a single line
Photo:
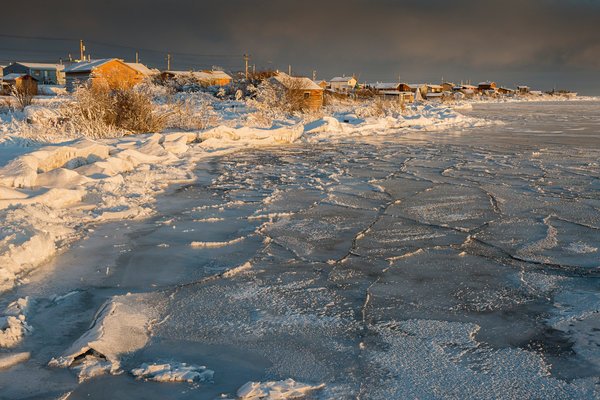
[(306, 95)]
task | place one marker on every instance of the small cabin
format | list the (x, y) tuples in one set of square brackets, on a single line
[(506, 91), (434, 88), (45, 74), (112, 72), (19, 82), (142, 69), (486, 87), (343, 83), (204, 78), (466, 89), (418, 87), (523, 89), (312, 94), (448, 86), (323, 84)]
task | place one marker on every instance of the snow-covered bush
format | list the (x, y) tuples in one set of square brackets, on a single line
[(191, 111), (380, 107)]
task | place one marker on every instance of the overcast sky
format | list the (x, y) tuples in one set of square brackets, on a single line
[(540, 42)]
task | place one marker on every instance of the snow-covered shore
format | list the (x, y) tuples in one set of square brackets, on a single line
[(50, 192)]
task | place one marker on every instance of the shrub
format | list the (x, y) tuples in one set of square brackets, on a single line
[(128, 109), (23, 92)]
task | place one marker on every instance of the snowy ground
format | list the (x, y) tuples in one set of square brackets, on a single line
[(438, 256)]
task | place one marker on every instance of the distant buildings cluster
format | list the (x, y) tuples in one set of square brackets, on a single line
[(118, 73)]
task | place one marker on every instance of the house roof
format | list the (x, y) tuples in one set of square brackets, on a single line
[(469, 87), (141, 68), (435, 86), (88, 66), (15, 76), (416, 85), (201, 75), (486, 83), (300, 83), (33, 65), (386, 86), (215, 74), (342, 79)]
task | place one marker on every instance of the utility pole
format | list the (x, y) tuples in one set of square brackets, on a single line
[(290, 70), (314, 75), (246, 59), (253, 68), (81, 50), (137, 57), (168, 62)]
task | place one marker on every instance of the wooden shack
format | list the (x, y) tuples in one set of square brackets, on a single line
[(448, 86), (486, 86), (19, 82), (308, 92), (111, 72), (323, 84), (203, 78), (506, 91), (46, 74)]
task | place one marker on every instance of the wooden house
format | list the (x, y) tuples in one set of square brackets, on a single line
[(486, 87), (308, 92), (142, 69), (448, 86), (418, 87), (45, 74), (400, 91), (343, 84), (505, 91), (523, 89), (19, 81), (466, 89), (323, 84), (204, 78), (111, 72)]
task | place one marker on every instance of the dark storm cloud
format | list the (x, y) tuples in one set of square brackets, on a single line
[(544, 41)]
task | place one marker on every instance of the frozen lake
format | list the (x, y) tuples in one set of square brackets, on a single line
[(459, 264)]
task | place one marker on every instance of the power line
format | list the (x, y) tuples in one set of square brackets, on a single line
[(115, 45)]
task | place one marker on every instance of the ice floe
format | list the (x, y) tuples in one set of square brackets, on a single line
[(173, 372), (120, 327), (286, 389)]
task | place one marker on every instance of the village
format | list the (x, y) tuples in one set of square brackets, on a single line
[(37, 78)]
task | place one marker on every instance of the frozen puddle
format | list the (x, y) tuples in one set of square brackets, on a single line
[(439, 265)]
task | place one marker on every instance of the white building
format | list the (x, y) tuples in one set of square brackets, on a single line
[(343, 84)]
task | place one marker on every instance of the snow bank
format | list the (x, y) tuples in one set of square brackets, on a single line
[(12, 359), (120, 327), (287, 389), (426, 118), (13, 326), (223, 136), (173, 372), (217, 244)]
